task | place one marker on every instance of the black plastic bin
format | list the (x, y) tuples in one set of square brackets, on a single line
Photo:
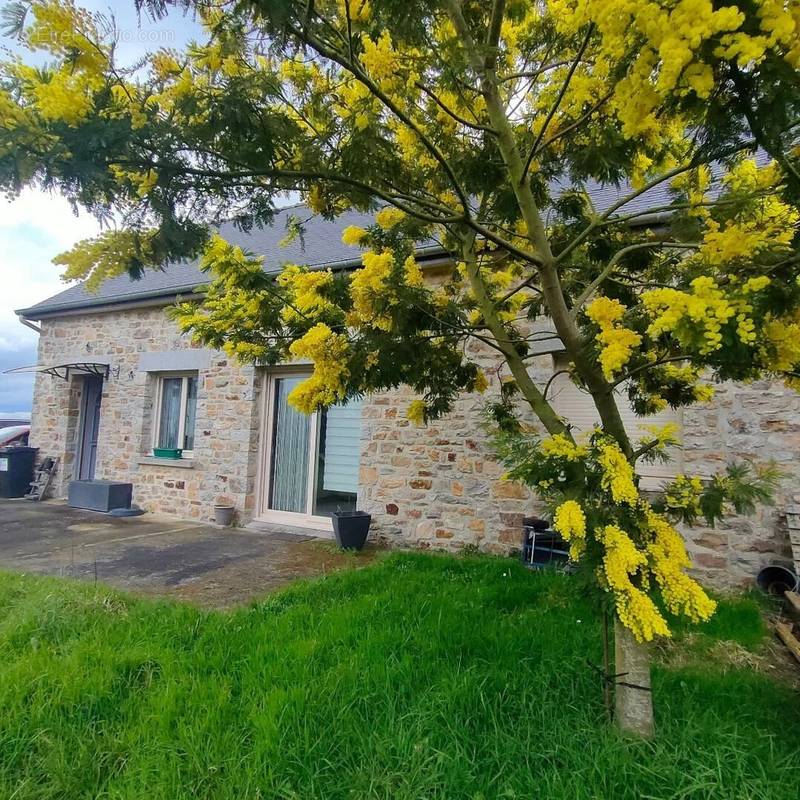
[(16, 470)]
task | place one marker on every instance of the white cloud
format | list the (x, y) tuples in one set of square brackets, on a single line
[(34, 228)]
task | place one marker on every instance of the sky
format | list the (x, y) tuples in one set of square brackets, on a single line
[(37, 226)]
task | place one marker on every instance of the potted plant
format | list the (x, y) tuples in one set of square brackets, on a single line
[(351, 528), (168, 452), (224, 511)]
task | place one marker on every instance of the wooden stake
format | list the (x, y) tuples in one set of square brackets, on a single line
[(784, 631)]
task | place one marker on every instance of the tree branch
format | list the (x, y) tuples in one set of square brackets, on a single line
[(452, 113), (362, 77), (616, 258), (561, 92), (673, 173)]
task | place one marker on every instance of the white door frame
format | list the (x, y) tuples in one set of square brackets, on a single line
[(264, 513)]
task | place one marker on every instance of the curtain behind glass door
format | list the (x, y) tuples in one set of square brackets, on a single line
[(290, 445)]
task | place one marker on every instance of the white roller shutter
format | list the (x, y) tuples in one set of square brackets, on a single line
[(342, 447), (577, 408)]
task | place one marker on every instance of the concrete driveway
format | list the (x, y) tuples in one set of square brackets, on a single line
[(159, 555)]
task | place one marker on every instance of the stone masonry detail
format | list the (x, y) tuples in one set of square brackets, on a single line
[(429, 487), (226, 432)]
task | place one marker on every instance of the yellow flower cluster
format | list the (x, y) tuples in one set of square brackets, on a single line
[(766, 223), (704, 311), (102, 257), (771, 226), (605, 312), (388, 217), (689, 375), (380, 59), (617, 477), (306, 292), (622, 559), (570, 521), (666, 39), (694, 184), (228, 261), (668, 560), (369, 285), (65, 93), (143, 182), (666, 435), (617, 342), (412, 273), (411, 148), (353, 235), (357, 10), (417, 411), (559, 446), (684, 494), (356, 102), (782, 343), (481, 382), (65, 30), (326, 386)]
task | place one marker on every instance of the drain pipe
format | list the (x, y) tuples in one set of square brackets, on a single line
[(28, 324)]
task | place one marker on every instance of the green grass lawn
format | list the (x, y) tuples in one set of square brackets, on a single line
[(417, 677)]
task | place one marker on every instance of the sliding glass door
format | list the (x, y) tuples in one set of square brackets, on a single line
[(311, 462), (288, 489)]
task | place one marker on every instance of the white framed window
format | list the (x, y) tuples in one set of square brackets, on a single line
[(577, 408), (175, 412)]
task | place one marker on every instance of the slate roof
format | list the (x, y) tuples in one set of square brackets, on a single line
[(321, 246)]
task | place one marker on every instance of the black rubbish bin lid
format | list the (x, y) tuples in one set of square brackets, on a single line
[(17, 449), (535, 523)]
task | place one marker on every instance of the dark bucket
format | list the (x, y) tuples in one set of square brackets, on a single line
[(351, 528), (776, 579)]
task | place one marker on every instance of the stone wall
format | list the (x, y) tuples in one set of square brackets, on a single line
[(759, 422), (438, 486), (226, 433), (432, 487)]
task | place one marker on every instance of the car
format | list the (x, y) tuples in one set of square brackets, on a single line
[(14, 435)]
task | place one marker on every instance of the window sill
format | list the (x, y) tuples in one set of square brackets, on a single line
[(178, 463)]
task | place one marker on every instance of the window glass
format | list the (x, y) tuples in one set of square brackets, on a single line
[(191, 409), (169, 419)]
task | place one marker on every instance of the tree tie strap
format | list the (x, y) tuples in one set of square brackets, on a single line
[(611, 678)]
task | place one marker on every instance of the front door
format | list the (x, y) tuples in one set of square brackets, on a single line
[(89, 426)]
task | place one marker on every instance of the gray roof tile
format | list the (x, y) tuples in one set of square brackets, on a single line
[(321, 246)]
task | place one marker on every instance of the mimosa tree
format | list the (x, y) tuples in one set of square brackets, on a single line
[(479, 125)]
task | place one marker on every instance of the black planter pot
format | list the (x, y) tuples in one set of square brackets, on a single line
[(351, 528)]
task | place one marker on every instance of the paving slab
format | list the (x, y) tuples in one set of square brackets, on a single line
[(162, 556)]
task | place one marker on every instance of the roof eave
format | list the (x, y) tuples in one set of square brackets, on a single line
[(154, 296)]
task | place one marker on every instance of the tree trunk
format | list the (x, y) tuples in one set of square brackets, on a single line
[(633, 706)]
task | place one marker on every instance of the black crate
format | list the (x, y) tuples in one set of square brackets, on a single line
[(100, 495)]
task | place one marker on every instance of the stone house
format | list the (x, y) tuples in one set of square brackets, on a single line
[(116, 382)]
